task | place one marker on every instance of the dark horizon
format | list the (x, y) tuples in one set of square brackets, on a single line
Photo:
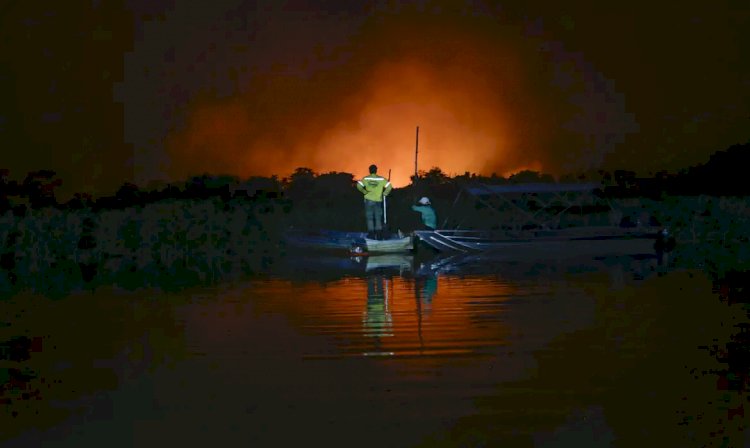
[(133, 91), (721, 174)]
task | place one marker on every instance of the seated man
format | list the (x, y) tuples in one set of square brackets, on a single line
[(429, 219)]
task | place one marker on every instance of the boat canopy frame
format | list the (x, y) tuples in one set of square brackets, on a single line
[(540, 205)]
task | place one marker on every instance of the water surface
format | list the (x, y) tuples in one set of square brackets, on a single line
[(386, 351)]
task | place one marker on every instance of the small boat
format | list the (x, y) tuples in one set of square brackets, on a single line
[(355, 242), (393, 245), (536, 224)]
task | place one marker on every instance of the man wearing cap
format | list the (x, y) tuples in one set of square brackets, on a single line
[(374, 188), (429, 218)]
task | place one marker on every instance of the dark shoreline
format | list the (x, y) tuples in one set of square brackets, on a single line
[(176, 243)]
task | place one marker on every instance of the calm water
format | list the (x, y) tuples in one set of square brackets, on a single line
[(384, 352)]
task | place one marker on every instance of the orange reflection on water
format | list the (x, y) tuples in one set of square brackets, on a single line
[(395, 316), (379, 315)]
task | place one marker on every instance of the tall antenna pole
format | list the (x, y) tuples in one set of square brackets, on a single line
[(416, 156)]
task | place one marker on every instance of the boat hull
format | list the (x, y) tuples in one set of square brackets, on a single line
[(334, 240), (404, 244), (544, 244)]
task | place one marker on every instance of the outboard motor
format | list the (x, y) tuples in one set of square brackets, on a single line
[(665, 243)]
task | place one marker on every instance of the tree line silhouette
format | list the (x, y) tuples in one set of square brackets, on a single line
[(722, 175), (211, 226)]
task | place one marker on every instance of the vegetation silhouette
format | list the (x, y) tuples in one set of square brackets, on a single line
[(212, 226)]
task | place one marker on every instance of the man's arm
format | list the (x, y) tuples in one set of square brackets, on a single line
[(361, 187), (388, 188)]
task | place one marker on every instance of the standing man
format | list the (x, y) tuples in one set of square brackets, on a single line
[(374, 187)]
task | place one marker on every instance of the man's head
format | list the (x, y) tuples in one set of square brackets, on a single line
[(373, 169)]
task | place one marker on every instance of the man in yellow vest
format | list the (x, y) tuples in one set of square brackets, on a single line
[(374, 187)]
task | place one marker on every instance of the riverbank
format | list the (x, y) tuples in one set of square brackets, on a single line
[(180, 242)]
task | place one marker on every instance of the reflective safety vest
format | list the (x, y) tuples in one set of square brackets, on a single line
[(374, 187)]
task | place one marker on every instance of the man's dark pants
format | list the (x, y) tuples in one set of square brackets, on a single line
[(374, 216)]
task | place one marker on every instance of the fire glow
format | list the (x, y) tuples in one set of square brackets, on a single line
[(466, 105)]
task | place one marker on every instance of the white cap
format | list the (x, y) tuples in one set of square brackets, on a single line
[(424, 201)]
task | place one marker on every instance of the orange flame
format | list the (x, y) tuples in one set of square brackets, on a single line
[(464, 97)]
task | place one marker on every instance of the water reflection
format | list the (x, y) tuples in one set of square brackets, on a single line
[(378, 321), (446, 351), (396, 263), (425, 288)]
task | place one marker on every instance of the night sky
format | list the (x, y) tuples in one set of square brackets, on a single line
[(110, 91)]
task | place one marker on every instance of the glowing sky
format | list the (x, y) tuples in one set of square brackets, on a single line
[(143, 90)]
